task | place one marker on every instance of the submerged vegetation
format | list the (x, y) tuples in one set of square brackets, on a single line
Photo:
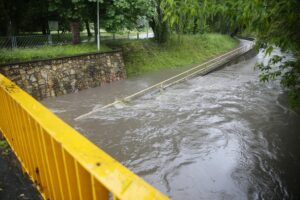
[(142, 56)]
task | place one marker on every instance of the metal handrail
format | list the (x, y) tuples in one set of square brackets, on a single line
[(60, 161), (174, 79)]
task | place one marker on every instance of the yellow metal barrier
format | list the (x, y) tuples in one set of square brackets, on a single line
[(63, 163)]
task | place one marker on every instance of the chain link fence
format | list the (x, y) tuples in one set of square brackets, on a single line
[(34, 41), (59, 39)]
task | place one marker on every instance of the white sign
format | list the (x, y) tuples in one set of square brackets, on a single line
[(53, 25)]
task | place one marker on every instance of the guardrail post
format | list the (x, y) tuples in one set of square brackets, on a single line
[(14, 42), (50, 39), (147, 32)]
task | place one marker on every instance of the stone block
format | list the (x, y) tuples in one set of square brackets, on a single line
[(61, 76), (32, 78), (41, 81)]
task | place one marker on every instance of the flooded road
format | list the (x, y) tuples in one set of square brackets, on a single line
[(222, 136)]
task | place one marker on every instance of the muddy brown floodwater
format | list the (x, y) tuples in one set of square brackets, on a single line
[(222, 136)]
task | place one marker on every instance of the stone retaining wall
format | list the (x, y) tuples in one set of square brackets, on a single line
[(53, 77)]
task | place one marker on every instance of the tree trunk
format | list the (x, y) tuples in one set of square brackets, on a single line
[(75, 29), (12, 29), (95, 30), (87, 26), (45, 27), (44, 31), (195, 26), (160, 28)]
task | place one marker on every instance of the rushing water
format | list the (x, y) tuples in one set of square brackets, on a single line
[(222, 136)]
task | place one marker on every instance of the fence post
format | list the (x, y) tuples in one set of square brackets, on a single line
[(138, 35), (147, 32), (128, 35), (50, 39), (14, 42)]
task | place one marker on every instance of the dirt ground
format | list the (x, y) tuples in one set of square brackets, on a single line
[(14, 185)]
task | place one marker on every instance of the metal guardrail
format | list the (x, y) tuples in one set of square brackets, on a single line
[(201, 69), (62, 163)]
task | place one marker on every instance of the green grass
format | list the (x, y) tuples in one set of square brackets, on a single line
[(4, 148), (142, 56), (27, 54)]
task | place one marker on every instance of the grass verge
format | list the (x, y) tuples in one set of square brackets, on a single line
[(142, 56), (4, 149), (44, 52)]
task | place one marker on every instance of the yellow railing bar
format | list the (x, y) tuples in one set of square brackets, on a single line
[(62, 162)]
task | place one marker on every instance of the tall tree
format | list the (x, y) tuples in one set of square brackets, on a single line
[(181, 15), (115, 15), (159, 26), (18, 16), (275, 23), (11, 16), (71, 10), (35, 17), (189, 16), (124, 14)]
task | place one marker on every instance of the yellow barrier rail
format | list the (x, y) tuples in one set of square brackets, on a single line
[(62, 163)]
